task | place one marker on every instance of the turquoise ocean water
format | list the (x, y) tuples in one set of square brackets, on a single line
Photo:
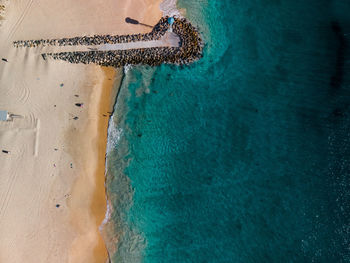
[(243, 156)]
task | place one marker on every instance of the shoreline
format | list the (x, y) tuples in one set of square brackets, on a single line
[(167, 8), (99, 199), (52, 194), (111, 86), (86, 201), (108, 88)]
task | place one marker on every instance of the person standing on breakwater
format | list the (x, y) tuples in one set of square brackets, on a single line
[(135, 22)]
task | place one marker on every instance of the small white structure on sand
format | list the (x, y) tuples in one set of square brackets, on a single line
[(4, 116)]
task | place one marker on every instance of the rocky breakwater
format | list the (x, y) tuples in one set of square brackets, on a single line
[(190, 48)]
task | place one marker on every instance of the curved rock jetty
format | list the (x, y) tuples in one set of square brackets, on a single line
[(190, 47)]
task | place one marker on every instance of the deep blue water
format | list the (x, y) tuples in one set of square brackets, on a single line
[(243, 156)]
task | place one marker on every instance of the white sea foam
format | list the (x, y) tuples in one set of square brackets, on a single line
[(127, 68), (114, 134), (168, 7), (107, 216), (112, 140)]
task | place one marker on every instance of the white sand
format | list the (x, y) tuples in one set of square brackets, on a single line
[(34, 177)]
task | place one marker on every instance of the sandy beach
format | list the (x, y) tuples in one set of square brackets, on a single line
[(52, 195)]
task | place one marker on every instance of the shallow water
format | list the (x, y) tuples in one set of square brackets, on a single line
[(244, 155)]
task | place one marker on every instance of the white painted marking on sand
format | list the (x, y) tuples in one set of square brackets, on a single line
[(36, 142)]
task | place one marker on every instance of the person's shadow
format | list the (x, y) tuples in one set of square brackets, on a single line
[(135, 22)]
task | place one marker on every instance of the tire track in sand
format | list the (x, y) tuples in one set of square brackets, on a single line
[(19, 21), (18, 92), (6, 197), (25, 93)]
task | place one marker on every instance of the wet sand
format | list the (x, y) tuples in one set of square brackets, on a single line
[(52, 196)]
